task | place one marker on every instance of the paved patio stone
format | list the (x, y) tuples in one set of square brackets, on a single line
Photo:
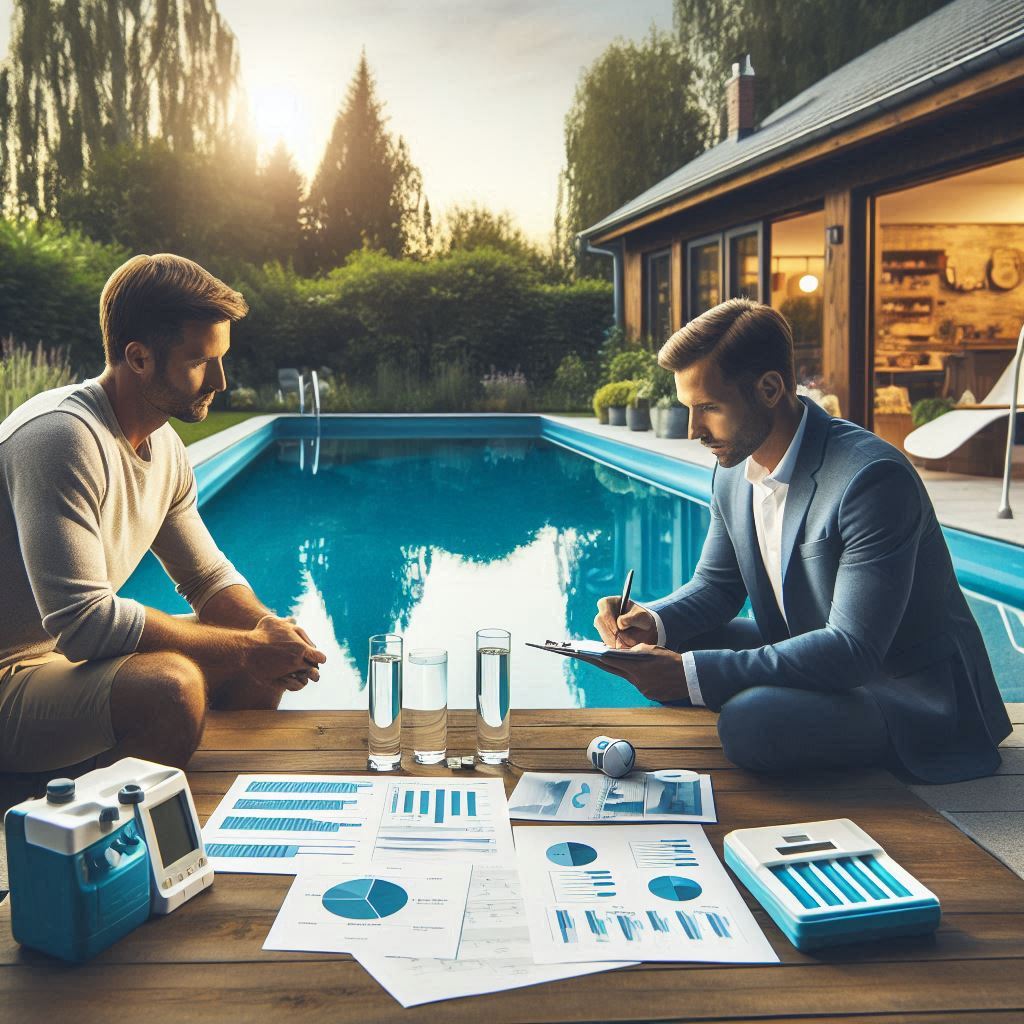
[(1016, 738), (996, 793), (999, 832), (1013, 761)]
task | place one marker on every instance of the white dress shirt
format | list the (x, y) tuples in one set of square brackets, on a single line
[(768, 494)]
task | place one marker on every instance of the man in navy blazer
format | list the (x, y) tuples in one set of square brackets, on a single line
[(862, 649)]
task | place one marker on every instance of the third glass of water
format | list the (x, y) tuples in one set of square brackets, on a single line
[(384, 742), (426, 704), (493, 724)]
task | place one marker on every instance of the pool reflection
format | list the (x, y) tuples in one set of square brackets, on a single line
[(434, 539)]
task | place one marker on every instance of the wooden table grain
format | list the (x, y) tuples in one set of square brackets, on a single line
[(204, 962)]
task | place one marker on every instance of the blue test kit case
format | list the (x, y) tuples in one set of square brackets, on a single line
[(79, 873), (95, 857), (826, 883)]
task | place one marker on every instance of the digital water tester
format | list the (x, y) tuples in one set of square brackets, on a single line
[(166, 816), (96, 856)]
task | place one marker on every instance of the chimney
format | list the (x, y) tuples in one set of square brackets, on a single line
[(739, 95)]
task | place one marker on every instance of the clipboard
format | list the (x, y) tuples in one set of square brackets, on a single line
[(590, 649)]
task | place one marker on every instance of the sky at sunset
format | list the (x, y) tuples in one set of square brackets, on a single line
[(479, 88)]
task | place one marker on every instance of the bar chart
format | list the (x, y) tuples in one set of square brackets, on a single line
[(305, 786), (704, 924), (261, 824), (664, 853), (293, 805), (569, 886), (417, 804), (279, 851), (588, 925), (420, 818)]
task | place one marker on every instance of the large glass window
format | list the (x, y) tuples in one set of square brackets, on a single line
[(658, 314), (948, 303), (704, 260), (744, 263), (798, 271)]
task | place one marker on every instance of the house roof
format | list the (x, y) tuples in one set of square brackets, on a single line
[(957, 41)]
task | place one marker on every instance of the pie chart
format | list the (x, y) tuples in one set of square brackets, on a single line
[(365, 899), (674, 888), (571, 855)]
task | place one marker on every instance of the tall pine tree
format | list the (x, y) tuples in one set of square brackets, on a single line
[(366, 192), (281, 188)]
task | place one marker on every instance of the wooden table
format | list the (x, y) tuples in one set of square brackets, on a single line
[(204, 962)]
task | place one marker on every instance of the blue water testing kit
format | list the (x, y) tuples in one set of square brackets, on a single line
[(96, 856), (826, 883)]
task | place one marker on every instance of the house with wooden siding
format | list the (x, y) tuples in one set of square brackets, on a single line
[(881, 210)]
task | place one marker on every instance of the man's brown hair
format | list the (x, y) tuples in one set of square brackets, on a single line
[(745, 338), (150, 298)]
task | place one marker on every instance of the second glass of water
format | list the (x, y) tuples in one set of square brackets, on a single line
[(493, 723), (426, 704), (385, 681)]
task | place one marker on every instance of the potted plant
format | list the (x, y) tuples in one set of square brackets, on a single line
[(614, 398), (669, 417), (638, 411), (673, 418), (601, 401)]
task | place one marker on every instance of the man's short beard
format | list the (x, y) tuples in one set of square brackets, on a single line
[(753, 433), (171, 402)]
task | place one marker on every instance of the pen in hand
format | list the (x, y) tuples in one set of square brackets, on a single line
[(624, 600)]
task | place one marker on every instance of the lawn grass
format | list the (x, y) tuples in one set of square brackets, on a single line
[(214, 422)]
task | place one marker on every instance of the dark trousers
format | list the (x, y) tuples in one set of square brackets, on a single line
[(782, 729)]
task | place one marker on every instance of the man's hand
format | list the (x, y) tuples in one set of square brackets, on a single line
[(281, 652), (635, 627), (659, 678)]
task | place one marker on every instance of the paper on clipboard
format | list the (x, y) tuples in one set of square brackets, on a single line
[(589, 648)]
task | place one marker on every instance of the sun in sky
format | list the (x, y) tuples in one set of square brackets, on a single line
[(278, 114)]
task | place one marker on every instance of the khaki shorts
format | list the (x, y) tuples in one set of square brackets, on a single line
[(55, 713)]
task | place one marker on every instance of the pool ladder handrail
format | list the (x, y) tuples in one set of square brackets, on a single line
[(315, 411), (315, 387), (1005, 512)]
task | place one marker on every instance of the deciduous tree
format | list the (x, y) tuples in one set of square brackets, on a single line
[(635, 119), (792, 43), (89, 75)]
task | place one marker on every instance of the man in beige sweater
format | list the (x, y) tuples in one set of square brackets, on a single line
[(91, 477)]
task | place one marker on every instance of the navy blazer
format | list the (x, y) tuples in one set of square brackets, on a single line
[(870, 596)]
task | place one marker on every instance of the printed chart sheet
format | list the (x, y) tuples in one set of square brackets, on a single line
[(669, 795), (400, 910), (641, 892), (495, 953), (284, 824)]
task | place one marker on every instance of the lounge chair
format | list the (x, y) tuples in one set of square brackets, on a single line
[(942, 436), (288, 381)]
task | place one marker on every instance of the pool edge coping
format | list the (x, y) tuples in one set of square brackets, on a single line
[(965, 546)]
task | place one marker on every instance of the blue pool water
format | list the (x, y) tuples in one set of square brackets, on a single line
[(436, 538)]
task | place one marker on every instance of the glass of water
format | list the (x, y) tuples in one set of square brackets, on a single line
[(385, 681), (493, 724), (426, 704)]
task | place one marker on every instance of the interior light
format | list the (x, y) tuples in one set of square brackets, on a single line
[(808, 283)]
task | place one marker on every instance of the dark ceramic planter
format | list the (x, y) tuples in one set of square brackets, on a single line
[(638, 417), (673, 422), (616, 415)]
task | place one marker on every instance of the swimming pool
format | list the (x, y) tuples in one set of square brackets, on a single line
[(403, 525)]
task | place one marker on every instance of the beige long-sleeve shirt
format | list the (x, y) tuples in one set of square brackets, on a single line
[(79, 507)]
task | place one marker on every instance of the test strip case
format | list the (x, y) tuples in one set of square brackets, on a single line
[(826, 883)]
